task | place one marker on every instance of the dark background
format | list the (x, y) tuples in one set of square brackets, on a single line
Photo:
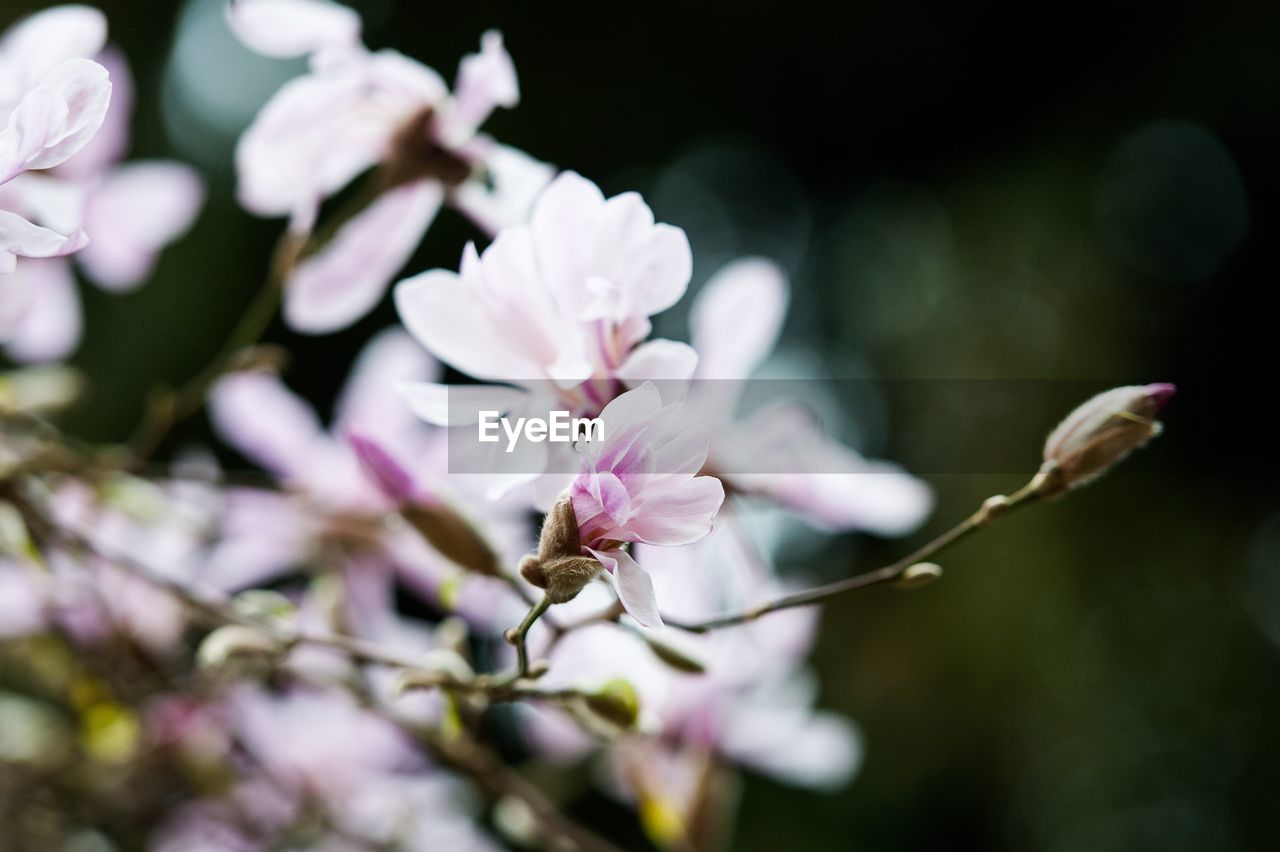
[(960, 191)]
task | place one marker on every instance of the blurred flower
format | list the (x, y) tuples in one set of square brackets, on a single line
[(754, 705), (339, 505), (559, 308), (53, 100), (735, 324), (355, 109), (638, 484), (132, 210)]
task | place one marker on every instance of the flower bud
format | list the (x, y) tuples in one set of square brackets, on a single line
[(559, 567), (616, 702), (1100, 433), (384, 469), (235, 641)]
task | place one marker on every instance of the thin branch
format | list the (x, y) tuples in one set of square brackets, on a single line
[(991, 509)]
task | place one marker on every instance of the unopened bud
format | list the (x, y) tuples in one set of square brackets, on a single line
[(1100, 433), (384, 469), (673, 655), (615, 702), (560, 568), (233, 641), (920, 574)]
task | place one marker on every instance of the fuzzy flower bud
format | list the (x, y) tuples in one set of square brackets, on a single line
[(1100, 433), (559, 566)]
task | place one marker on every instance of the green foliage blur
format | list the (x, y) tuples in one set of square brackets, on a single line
[(959, 191)]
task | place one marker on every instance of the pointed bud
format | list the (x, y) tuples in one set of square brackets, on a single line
[(384, 469), (673, 655), (1100, 433), (560, 568), (615, 702), (235, 641), (920, 574)]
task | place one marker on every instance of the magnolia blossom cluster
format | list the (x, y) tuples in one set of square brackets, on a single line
[(355, 560)]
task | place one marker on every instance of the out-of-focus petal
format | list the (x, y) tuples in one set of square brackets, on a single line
[(139, 208), (315, 135), (458, 405), (797, 745), (782, 454), (20, 238), (109, 144), (486, 80), (55, 119), (33, 46), (370, 400), (346, 278), (736, 318), (667, 361), (506, 198), (288, 28), (634, 588), (257, 415), (50, 324)]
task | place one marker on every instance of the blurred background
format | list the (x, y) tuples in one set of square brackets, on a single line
[(958, 192)]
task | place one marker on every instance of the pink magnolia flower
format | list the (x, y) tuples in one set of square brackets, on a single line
[(753, 705), (640, 485), (52, 101), (735, 322), (355, 109), (339, 503), (132, 209), (558, 310)]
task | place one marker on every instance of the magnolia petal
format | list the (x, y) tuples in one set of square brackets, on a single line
[(18, 237), (51, 322), (257, 415), (681, 515), (346, 278), (33, 46), (633, 585), (458, 405), (486, 80), (55, 119), (370, 400), (667, 361), (284, 29), (736, 318), (139, 208), (514, 181)]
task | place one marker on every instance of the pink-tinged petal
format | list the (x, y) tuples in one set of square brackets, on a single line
[(486, 80), (737, 317), (494, 320), (819, 750), (33, 46), (681, 515), (284, 29), (315, 134), (563, 229), (458, 405), (346, 278), (50, 325), (783, 454), (667, 361), (55, 119), (264, 535), (262, 419), (633, 585), (506, 198), (628, 411), (370, 400), (20, 238), (139, 208), (684, 454), (667, 271), (109, 144), (386, 471)]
